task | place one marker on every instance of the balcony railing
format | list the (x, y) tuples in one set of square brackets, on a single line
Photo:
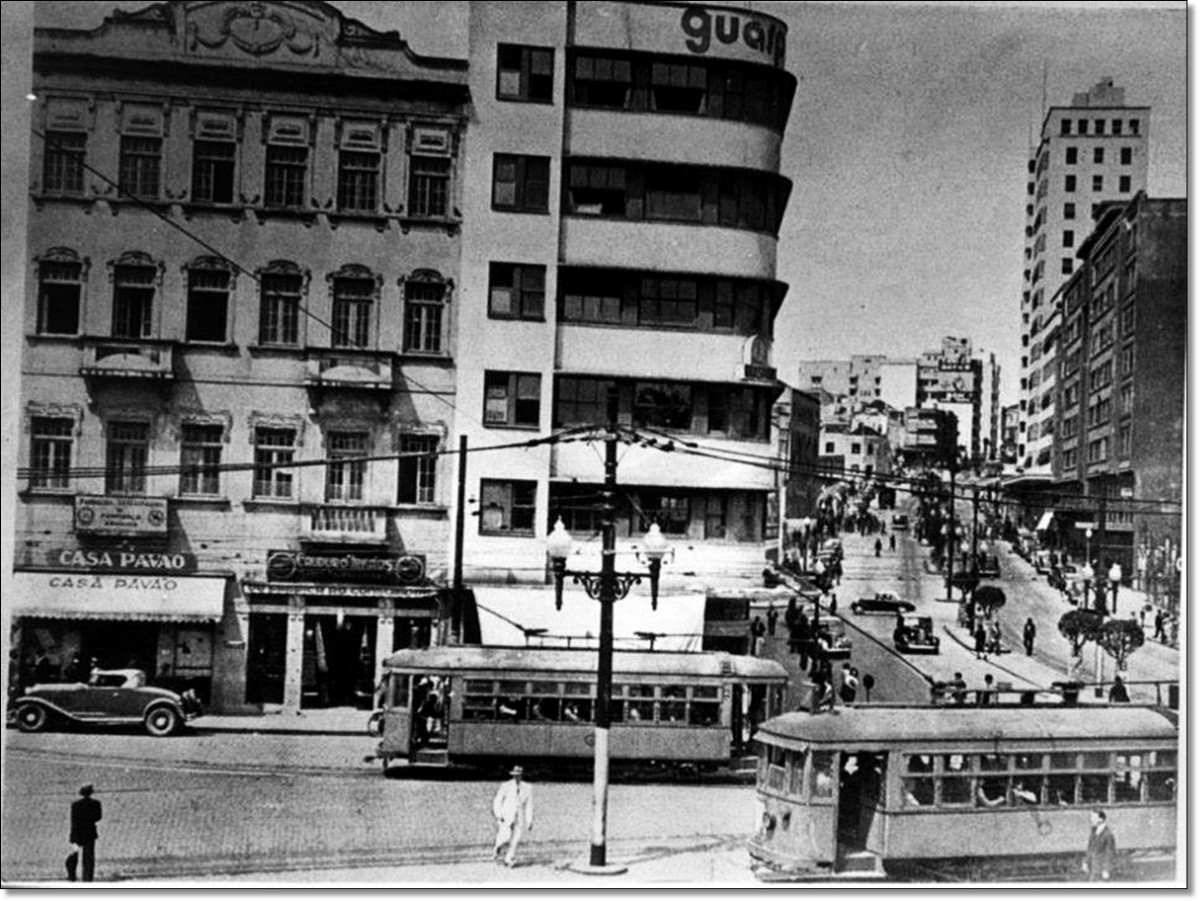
[(337, 522), (127, 358), (357, 369)]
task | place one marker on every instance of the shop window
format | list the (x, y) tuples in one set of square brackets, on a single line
[(507, 507), (274, 451), (63, 158), (133, 301), (516, 291), (521, 184), (128, 449), (346, 474), (418, 469), (200, 460), (208, 284), (60, 290), (281, 290), (353, 303), (512, 399), (524, 73), (51, 443), (424, 308)]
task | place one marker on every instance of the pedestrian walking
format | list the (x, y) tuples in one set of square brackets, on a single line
[(86, 812), (892, 541), (757, 631), (513, 809), (878, 546), (987, 694), (803, 639), (772, 619), (1118, 694), (790, 619), (849, 690), (958, 689), (1159, 620), (980, 641), (1029, 633), (994, 637), (1101, 849), (822, 696)]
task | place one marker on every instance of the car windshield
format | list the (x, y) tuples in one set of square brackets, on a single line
[(118, 679)]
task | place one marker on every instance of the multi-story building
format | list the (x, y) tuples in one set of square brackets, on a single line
[(857, 449), (857, 380), (1092, 151), (239, 347), (930, 437), (1010, 418), (1119, 438), (599, 260)]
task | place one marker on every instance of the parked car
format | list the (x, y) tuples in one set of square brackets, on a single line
[(883, 602), (899, 522), (109, 697), (1042, 563), (989, 566), (832, 638), (914, 635)]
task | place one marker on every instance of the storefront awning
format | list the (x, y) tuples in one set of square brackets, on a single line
[(520, 616), (80, 595), (1044, 522)]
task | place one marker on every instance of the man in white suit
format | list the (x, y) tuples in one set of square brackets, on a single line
[(513, 809)]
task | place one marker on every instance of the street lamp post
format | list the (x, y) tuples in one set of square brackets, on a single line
[(1087, 574), (608, 586), (1114, 578)]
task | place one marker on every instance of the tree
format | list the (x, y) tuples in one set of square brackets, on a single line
[(1079, 627), (990, 599), (1120, 638)]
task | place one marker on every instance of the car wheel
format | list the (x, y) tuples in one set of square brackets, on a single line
[(32, 718), (162, 721), (854, 608)]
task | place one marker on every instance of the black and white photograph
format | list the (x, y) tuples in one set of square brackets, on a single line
[(594, 444)]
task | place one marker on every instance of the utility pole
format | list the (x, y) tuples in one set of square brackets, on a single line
[(950, 539), (460, 521), (975, 527)]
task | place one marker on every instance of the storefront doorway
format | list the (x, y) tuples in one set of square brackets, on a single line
[(266, 666), (338, 668)]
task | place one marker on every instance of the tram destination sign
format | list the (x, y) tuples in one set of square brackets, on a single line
[(345, 566)]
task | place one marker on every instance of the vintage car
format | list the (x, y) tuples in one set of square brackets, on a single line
[(835, 644), (883, 602), (914, 635), (109, 697), (989, 566), (899, 522)]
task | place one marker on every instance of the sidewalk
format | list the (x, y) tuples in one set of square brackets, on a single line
[(328, 721)]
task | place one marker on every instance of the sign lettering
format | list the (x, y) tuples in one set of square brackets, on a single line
[(703, 25), (297, 566), (120, 560), (103, 515)]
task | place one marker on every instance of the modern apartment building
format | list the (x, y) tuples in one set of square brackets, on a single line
[(239, 349), (620, 235), (1092, 151)]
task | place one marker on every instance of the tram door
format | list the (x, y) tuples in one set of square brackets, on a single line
[(860, 789)]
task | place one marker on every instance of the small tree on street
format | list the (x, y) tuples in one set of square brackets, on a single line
[(1120, 638), (1079, 627), (989, 599)]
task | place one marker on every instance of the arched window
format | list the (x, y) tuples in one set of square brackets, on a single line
[(282, 285), (209, 286), (136, 279), (60, 274), (354, 289), (426, 293)]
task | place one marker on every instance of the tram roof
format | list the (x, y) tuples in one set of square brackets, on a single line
[(561, 660), (935, 725)]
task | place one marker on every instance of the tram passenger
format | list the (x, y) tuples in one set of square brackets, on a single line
[(984, 799), (987, 694), (509, 709), (1023, 795), (571, 714), (958, 689)]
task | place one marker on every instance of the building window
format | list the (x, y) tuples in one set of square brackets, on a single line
[(590, 295), (507, 507), (213, 171), (581, 402), (521, 184), (663, 405), (737, 413), (516, 291), (346, 474), (60, 287), (353, 302), (668, 301), (1098, 450), (1070, 458), (418, 469), (1068, 211), (279, 317), (1123, 184), (1135, 126), (1069, 183), (674, 194), (1098, 153), (128, 450), (1065, 126), (1097, 182), (1125, 441), (524, 73), (133, 301), (596, 189), (200, 460), (512, 399), (1068, 265), (429, 186), (62, 162), (671, 511), (1127, 361), (1083, 126), (602, 82), (274, 450), (207, 303), (1099, 124), (678, 87), (1126, 156), (1072, 156), (829, 447), (140, 166), (1126, 399), (50, 452), (1068, 238), (424, 303), (287, 172), (358, 181)]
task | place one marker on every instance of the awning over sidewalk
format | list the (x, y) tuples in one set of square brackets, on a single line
[(78, 595), (508, 615), (1044, 522)]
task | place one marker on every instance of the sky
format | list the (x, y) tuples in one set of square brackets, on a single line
[(906, 146)]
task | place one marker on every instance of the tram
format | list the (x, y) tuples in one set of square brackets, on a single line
[(992, 793), (490, 706)]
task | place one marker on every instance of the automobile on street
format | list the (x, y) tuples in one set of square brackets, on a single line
[(109, 698), (883, 602)]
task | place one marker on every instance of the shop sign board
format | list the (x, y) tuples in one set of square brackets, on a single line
[(125, 560), (104, 515), (345, 566)]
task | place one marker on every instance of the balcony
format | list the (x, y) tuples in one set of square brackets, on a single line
[(358, 370), (131, 358), (344, 523)]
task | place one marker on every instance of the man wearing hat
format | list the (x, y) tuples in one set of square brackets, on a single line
[(513, 809), (85, 814)]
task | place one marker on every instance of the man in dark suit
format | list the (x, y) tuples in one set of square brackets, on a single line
[(1101, 849), (85, 814)]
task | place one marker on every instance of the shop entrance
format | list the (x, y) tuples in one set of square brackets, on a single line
[(338, 669), (266, 664), (120, 645)]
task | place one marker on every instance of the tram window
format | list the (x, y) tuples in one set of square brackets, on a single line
[(674, 691), (576, 689), (1160, 786), (777, 760), (577, 711), (994, 763), (640, 691), (1166, 758), (1127, 783), (991, 792), (479, 707), (673, 712), (1093, 788), (478, 687), (796, 760), (704, 713), (706, 691), (1060, 789), (543, 688), (1061, 761), (1027, 790), (1096, 760), (544, 709), (1028, 761), (510, 709), (918, 793), (822, 774), (920, 763), (399, 690), (956, 790), (512, 688), (955, 763), (640, 711)]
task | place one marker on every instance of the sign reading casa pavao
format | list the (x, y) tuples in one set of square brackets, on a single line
[(104, 515), (345, 566), (122, 560)]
